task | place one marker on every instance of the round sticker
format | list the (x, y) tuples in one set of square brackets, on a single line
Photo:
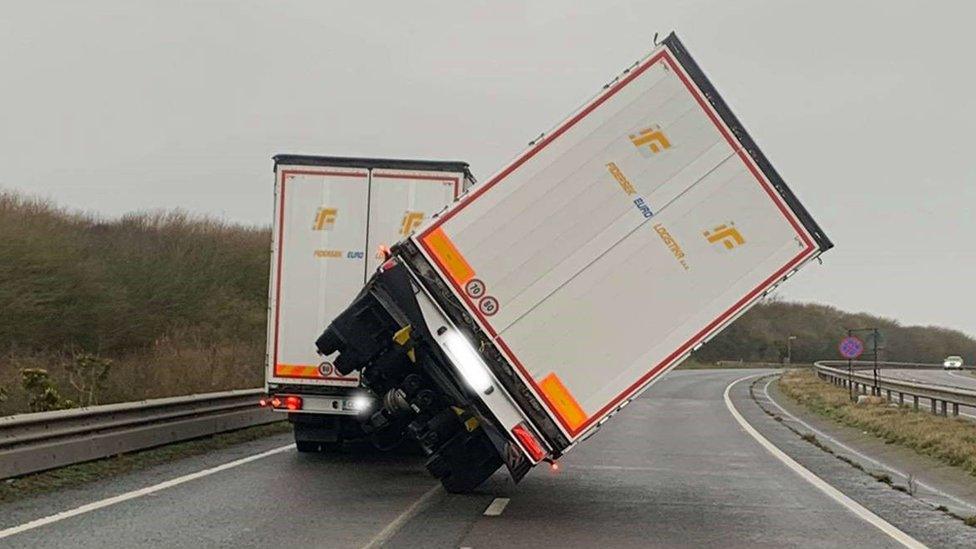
[(488, 305), (475, 288), (325, 369)]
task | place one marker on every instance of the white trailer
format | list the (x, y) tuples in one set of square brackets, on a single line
[(332, 217), (556, 292)]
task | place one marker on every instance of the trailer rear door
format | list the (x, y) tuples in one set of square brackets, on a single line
[(319, 265), (401, 201), (630, 234)]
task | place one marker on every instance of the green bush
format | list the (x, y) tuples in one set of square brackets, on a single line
[(42, 393)]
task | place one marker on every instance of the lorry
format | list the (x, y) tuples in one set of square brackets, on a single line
[(509, 328), (332, 214)]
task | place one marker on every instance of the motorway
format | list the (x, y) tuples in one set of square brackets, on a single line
[(675, 469), (953, 378)]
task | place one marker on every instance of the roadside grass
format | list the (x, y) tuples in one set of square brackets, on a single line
[(177, 302), (75, 475), (950, 440)]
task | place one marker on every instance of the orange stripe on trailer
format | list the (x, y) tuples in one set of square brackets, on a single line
[(294, 370), (448, 256), (562, 401)]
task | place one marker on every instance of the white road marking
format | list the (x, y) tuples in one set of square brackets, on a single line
[(835, 442), (392, 528), (496, 507), (833, 493), (149, 490)]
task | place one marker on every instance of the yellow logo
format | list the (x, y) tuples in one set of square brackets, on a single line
[(325, 219), (652, 139), (728, 235), (625, 183), (672, 245), (411, 220)]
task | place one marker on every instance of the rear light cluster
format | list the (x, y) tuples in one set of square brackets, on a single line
[(289, 402), (534, 448)]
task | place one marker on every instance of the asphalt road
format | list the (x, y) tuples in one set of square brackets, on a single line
[(673, 469), (941, 377), (954, 378)]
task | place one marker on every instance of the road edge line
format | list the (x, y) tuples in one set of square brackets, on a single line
[(833, 493), (101, 504), (840, 444)]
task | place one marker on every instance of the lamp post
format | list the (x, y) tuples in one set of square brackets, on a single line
[(789, 348)]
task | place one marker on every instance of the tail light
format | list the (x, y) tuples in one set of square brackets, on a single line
[(290, 402), (532, 445)]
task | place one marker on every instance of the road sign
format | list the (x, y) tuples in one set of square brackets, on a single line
[(851, 347)]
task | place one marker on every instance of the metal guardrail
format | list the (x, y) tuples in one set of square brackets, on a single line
[(943, 399), (36, 442)]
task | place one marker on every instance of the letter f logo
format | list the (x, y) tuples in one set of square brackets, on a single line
[(728, 235), (325, 219), (411, 220), (650, 139)]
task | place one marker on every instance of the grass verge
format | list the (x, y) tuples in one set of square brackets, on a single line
[(74, 475), (949, 440)]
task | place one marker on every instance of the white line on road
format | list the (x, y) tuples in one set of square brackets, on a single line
[(101, 504), (392, 528), (865, 457), (496, 507), (835, 494)]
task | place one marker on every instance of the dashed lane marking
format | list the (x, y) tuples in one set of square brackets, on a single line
[(496, 507)]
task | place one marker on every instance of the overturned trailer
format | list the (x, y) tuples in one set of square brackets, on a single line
[(511, 326)]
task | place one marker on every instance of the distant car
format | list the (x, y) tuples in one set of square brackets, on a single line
[(952, 363)]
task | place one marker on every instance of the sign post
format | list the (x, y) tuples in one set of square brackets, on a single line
[(850, 348)]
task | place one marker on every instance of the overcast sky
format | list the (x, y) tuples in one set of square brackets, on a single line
[(865, 108)]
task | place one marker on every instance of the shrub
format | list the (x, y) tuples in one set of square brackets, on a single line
[(42, 393)]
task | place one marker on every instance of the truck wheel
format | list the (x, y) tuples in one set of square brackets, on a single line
[(310, 446), (465, 462), (306, 446)]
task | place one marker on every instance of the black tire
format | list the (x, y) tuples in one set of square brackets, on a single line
[(465, 462), (307, 446), (312, 447)]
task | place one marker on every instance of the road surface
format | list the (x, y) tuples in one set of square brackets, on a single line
[(954, 378), (674, 469)]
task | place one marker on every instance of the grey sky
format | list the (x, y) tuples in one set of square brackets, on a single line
[(866, 108)]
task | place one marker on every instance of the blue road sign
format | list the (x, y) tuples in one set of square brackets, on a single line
[(851, 347)]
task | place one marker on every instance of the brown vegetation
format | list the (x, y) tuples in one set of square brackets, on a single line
[(950, 440), (177, 303)]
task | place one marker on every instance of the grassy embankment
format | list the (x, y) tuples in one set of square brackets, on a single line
[(950, 440), (175, 302)]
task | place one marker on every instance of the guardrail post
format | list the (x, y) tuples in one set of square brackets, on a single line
[(901, 399), (934, 403), (944, 403), (916, 402), (955, 408)]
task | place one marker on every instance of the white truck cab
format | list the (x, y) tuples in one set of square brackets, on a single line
[(333, 219)]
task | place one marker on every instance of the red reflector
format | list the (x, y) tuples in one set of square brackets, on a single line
[(293, 402), (276, 402), (528, 440), (263, 402), (388, 265)]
